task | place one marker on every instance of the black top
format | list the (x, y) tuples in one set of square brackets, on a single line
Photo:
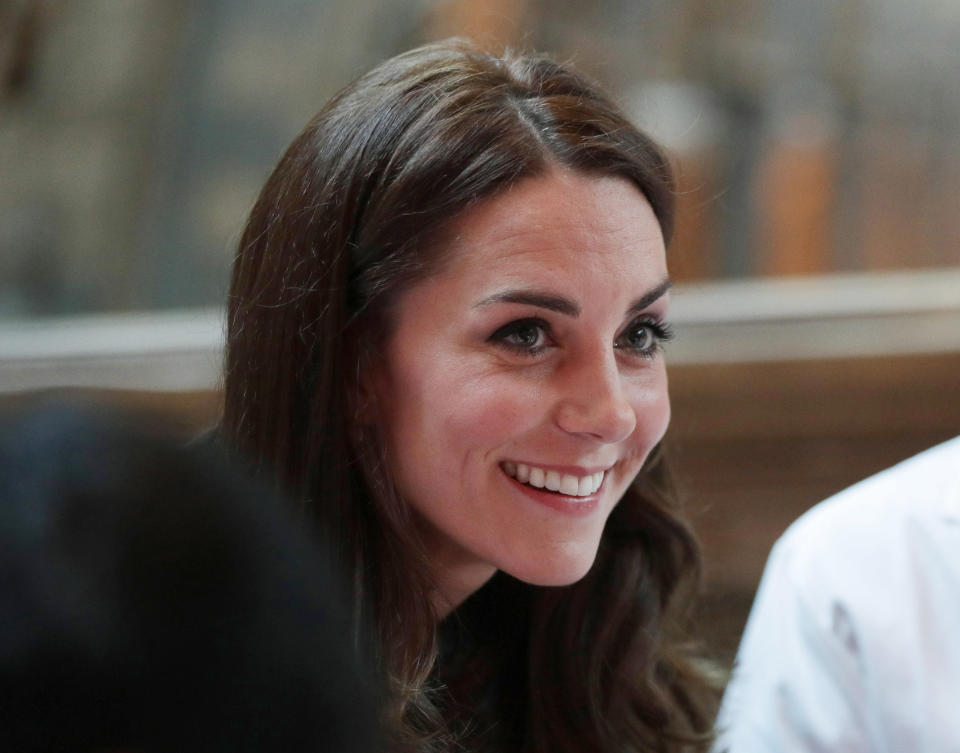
[(481, 669)]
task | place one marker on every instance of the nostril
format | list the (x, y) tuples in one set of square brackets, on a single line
[(610, 419), (596, 398)]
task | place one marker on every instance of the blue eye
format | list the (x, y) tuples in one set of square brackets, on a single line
[(528, 336), (645, 337)]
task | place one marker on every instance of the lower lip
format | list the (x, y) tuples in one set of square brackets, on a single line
[(573, 506)]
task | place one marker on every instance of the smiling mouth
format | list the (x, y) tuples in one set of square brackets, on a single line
[(561, 483)]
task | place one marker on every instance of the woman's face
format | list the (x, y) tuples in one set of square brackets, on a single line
[(523, 385)]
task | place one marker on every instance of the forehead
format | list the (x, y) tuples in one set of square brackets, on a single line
[(552, 225)]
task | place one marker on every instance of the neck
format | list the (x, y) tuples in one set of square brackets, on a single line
[(455, 584), (457, 572)]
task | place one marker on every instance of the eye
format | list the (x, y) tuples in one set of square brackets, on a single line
[(526, 336), (644, 337)]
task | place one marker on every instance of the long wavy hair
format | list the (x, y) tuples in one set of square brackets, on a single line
[(353, 214)]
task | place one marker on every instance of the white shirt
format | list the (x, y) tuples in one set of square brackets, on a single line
[(853, 641)]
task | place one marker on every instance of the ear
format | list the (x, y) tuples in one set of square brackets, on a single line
[(364, 396), (363, 406)]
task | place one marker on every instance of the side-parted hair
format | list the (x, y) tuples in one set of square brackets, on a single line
[(354, 213)]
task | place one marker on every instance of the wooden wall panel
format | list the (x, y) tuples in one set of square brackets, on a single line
[(758, 444)]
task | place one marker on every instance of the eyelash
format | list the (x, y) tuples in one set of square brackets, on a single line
[(661, 331)]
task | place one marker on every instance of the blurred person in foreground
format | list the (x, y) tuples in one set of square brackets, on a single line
[(153, 598), (853, 642)]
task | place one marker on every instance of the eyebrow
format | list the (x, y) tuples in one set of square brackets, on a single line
[(564, 305)]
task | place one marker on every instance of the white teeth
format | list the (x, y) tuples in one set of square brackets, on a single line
[(565, 483), (552, 481), (570, 485), (536, 477), (586, 486)]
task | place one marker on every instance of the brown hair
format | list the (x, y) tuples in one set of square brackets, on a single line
[(353, 213)]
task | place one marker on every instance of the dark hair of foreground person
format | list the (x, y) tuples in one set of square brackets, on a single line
[(153, 598)]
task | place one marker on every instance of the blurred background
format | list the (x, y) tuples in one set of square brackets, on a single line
[(818, 245)]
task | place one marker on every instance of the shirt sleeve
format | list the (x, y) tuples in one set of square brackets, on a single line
[(797, 684)]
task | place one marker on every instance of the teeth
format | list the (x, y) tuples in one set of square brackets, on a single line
[(589, 484), (553, 481), (536, 477), (564, 483), (570, 485)]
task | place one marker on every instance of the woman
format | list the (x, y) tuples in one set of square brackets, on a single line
[(444, 336)]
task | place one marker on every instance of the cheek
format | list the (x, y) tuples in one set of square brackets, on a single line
[(439, 412), (652, 407), (490, 413)]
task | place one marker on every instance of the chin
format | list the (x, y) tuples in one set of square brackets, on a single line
[(558, 571)]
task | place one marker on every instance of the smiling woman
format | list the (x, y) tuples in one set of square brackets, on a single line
[(445, 331), (511, 378)]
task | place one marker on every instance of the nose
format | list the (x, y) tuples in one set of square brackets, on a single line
[(595, 400)]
